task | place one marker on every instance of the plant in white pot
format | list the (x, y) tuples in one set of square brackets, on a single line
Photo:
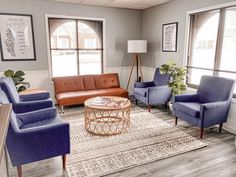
[(18, 79), (177, 78)]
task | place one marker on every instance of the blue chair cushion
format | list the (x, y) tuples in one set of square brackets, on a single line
[(141, 91), (191, 108), (40, 123)]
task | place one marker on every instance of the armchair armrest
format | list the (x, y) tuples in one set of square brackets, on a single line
[(215, 111), (143, 84), (34, 116), (22, 107), (35, 96), (37, 131), (185, 98)]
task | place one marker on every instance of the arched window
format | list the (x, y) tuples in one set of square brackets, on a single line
[(76, 47)]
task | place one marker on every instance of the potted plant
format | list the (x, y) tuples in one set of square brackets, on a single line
[(18, 79), (177, 78)]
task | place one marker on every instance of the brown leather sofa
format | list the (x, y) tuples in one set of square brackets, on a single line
[(73, 90)]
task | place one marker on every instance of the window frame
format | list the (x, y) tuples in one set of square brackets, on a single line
[(77, 18), (188, 40)]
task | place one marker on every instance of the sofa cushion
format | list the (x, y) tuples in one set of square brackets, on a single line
[(191, 108), (141, 91), (105, 81), (89, 83), (70, 98), (68, 84)]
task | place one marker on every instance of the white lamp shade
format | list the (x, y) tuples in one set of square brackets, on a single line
[(137, 46)]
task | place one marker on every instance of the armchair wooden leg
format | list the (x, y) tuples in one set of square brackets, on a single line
[(149, 108), (176, 120), (166, 106), (201, 132), (62, 109), (64, 161), (220, 127), (19, 171), (136, 102)]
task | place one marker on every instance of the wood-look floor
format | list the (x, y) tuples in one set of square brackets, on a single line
[(218, 159)]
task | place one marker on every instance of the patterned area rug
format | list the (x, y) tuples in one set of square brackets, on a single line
[(149, 139)]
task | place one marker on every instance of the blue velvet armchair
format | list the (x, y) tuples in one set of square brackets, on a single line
[(209, 106), (24, 103), (35, 136), (154, 92)]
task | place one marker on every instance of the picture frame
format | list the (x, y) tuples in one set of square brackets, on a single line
[(17, 37), (169, 37)]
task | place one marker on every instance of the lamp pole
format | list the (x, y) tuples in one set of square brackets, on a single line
[(136, 47)]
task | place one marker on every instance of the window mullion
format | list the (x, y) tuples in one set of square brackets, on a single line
[(219, 42), (190, 44)]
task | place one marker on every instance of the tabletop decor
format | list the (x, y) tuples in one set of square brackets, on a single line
[(169, 37), (17, 39)]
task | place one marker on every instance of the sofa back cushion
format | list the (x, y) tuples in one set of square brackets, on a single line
[(68, 84), (89, 82), (104, 81)]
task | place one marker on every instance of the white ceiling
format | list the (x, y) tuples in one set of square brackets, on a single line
[(130, 4)]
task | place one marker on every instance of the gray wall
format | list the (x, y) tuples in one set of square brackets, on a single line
[(121, 25), (174, 11)]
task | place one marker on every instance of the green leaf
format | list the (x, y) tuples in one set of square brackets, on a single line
[(19, 74), (27, 84), (21, 88), (9, 73)]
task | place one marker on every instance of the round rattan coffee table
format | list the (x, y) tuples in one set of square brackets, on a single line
[(106, 119)]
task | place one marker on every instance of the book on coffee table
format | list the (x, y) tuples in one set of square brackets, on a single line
[(100, 101)]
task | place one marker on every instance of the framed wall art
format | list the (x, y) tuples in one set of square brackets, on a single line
[(169, 37), (16, 37)]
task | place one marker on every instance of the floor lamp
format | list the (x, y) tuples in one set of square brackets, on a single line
[(136, 47)]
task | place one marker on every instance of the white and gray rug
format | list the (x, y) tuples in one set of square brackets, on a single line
[(149, 139)]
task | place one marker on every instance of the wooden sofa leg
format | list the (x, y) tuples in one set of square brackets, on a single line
[(149, 108), (62, 109), (201, 132), (176, 120), (136, 102), (220, 127), (64, 161), (19, 171)]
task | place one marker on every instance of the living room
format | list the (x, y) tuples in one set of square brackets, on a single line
[(104, 31)]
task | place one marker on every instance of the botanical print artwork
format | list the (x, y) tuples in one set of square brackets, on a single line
[(10, 42), (17, 40)]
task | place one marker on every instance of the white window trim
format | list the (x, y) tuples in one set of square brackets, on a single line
[(47, 16), (187, 24)]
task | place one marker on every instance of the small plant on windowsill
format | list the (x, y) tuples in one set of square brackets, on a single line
[(18, 79), (177, 78)]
